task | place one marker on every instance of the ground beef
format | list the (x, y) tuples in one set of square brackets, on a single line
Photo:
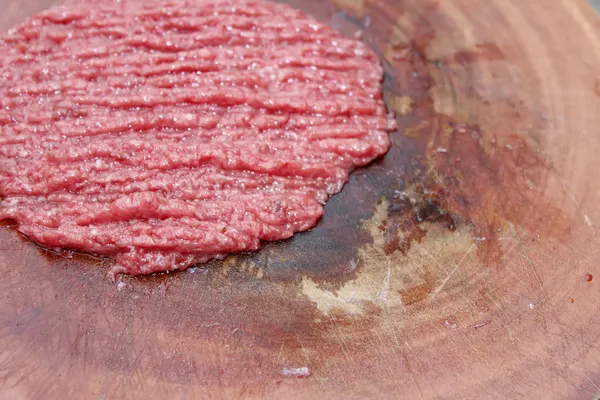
[(164, 133)]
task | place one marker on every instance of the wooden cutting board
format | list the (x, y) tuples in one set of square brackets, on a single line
[(465, 264)]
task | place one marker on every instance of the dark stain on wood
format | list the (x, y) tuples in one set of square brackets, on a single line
[(483, 52), (419, 292)]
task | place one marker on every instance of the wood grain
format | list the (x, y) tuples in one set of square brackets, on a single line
[(455, 267)]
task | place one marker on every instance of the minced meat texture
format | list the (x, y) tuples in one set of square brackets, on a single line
[(167, 133)]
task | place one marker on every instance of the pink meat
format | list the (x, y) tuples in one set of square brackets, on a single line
[(165, 133)]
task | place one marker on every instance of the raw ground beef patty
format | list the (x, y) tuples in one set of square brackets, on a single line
[(164, 133)]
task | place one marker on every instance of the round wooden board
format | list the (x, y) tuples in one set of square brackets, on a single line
[(453, 268)]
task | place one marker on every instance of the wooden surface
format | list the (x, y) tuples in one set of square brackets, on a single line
[(477, 290)]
